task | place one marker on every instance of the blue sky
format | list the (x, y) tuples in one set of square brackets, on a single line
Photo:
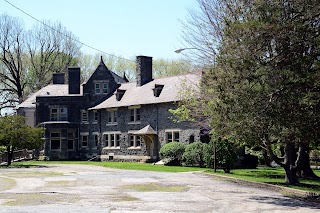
[(121, 27)]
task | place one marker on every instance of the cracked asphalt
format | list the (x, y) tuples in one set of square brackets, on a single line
[(86, 188)]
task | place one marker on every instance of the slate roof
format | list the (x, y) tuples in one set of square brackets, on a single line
[(49, 90), (139, 95)]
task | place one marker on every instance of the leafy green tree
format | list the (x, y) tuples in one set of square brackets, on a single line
[(263, 85), (194, 154), (14, 134), (226, 154)]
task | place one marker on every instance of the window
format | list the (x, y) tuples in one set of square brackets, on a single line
[(172, 136), (70, 144), (134, 115), (71, 140), (95, 116), (55, 140), (54, 114), (135, 140), (112, 140), (97, 88), (84, 140), (105, 88), (112, 117), (63, 114), (101, 88), (59, 114), (84, 116)]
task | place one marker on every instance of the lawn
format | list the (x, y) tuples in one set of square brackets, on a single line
[(275, 176), (261, 174)]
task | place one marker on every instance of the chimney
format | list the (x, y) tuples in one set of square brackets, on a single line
[(58, 78), (144, 70), (74, 80)]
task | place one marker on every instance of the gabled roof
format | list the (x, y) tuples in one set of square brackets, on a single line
[(139, 95), (147, 130), (47, 91)]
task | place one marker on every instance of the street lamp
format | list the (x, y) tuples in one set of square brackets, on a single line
[(180, 50)]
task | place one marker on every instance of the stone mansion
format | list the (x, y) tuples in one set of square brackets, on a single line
[(109, 117)]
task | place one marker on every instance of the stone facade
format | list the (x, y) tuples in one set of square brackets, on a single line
[(105, 116), (155, 115)]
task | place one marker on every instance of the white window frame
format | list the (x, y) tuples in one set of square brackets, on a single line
[(103, 87), (61, 113), (55, 138), (97, 88), (84, 116), (110, 140), (133, 140), (82, 134), (112, 116), (173, 136), (136, 116)]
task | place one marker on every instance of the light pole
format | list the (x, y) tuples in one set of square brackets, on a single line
[(181, 49)]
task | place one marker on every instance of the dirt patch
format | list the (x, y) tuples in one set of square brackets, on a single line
[(33, 199), (6, 184), (155, 187), (120, 198), (31, 174)]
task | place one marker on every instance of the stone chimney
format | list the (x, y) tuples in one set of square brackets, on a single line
[(74, 80), (58, 78), (144, 70)]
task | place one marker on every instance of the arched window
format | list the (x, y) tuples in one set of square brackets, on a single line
[(191, 139)]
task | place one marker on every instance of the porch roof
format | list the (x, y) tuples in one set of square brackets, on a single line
[(147, 130)]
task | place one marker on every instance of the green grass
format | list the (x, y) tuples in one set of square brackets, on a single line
[(117, 165), (275, 176)]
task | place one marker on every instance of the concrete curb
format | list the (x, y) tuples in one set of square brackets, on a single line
[(281, 189)]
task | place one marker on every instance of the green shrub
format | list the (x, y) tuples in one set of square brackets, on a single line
[(226, 154), (194, 154), (172, 153)]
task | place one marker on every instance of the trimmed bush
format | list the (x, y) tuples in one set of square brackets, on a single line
[(194, 154), (226, 154), (171, 153)]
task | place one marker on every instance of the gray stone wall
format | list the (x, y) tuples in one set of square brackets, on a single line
[(156, 115)]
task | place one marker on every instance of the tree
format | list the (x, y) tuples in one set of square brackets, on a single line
[(14, 134), (52, 49), (226, 154), (12, 57), (264, 87), (28, 58)]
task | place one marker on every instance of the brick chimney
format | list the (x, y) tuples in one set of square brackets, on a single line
[(74, 80), (58, 78), (144, 70)]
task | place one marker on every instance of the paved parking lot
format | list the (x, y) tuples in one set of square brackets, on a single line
[(82, 188)]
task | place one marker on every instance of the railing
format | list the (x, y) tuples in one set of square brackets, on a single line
[(17, 155)]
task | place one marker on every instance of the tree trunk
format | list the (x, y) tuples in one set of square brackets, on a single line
[(267, 160), (304, 168), (9, 156), (289, 164)]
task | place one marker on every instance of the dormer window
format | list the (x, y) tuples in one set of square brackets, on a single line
[(157, 90), (119, 94)]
